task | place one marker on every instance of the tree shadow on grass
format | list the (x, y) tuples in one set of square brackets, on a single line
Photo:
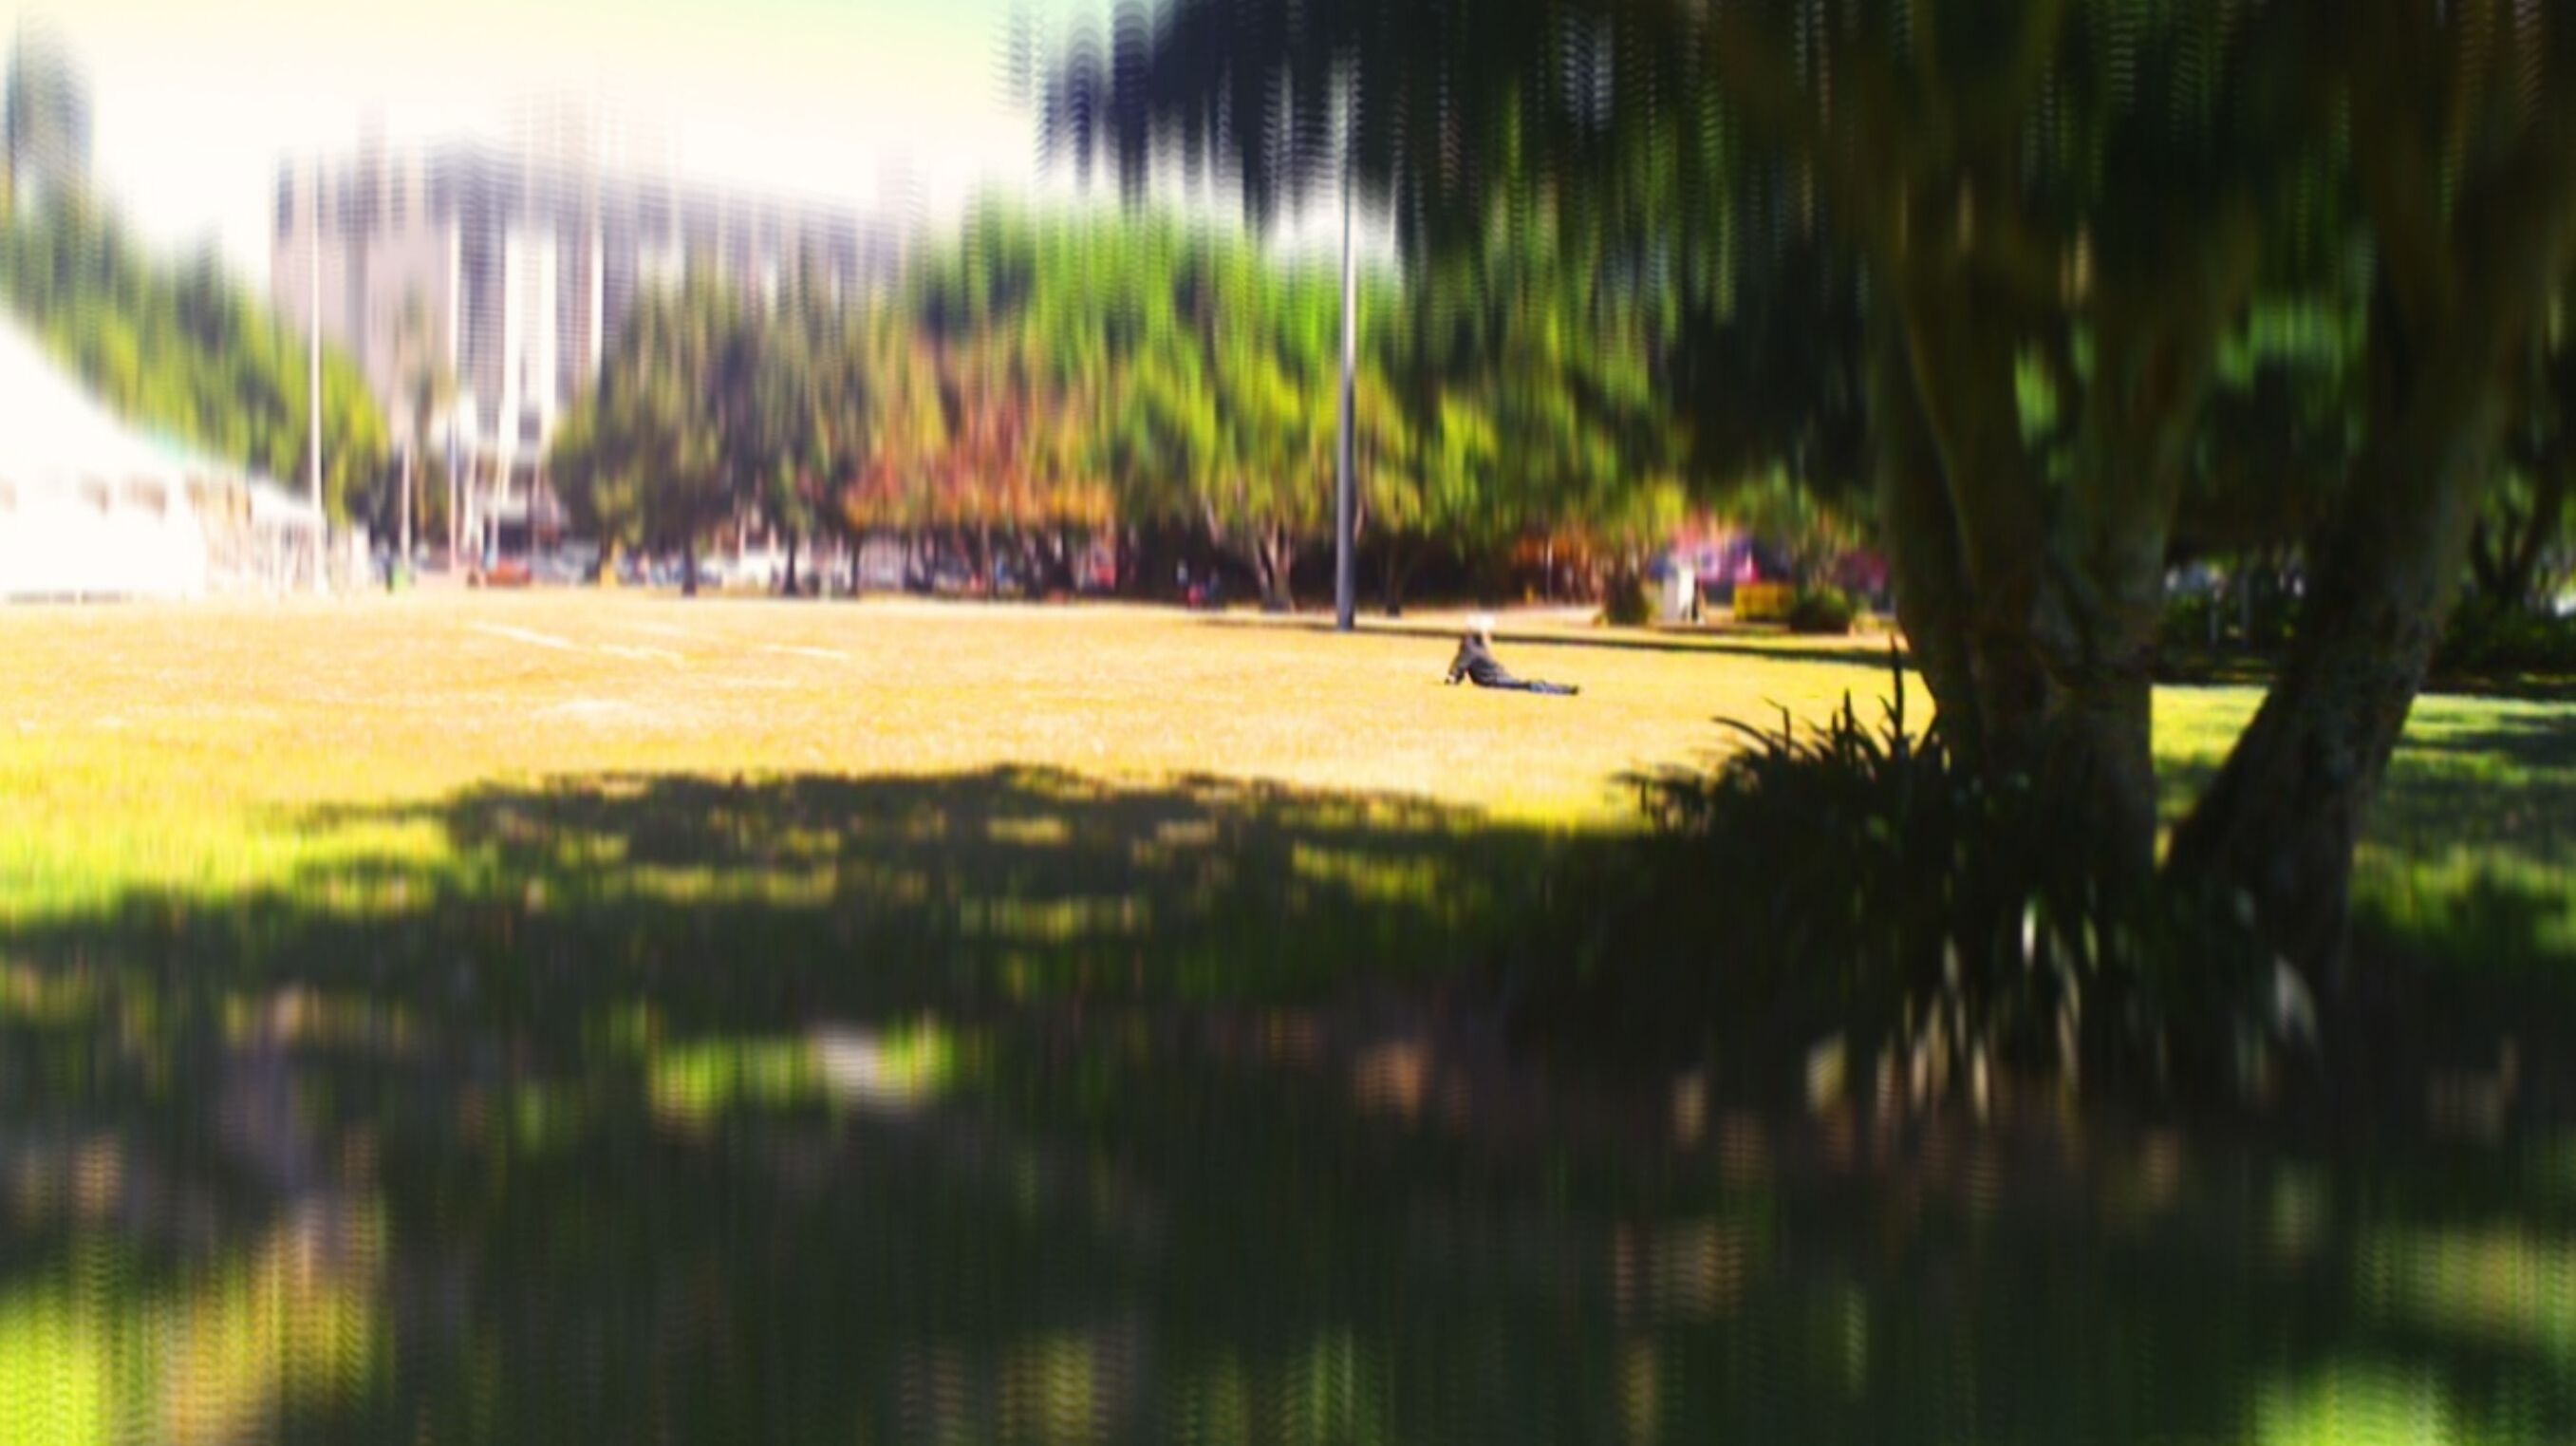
[(632, 1103), (2464, 911), (2469, 857), (1869, 654), (1006, 1106), (2533, 741), (2189, 667), (964, 891)]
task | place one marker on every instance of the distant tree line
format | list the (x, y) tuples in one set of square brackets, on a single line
[(1038, 381)]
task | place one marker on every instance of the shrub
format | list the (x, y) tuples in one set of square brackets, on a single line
[(2194, 620), (2223, 618), (1866, 882), (1822, 610), (2490, 639), (1628, 603)]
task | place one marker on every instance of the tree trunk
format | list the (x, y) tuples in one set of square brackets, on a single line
[(1276, 554), (2520, 579), (2280, 822), (2487, 565), (2470, 265), (1964, 347), (1059, 557), (792, 540), (1927, 575), (2102, 600), (689, 568), (402, 547), (1037, 566), (1396, 566)]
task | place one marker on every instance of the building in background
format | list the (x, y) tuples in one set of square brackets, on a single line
[(903, 202), (47, 119), (511, 268)]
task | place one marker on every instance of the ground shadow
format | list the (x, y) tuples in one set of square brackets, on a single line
[(1860, 653), (2188, 667), (2533, 742), (1018, 1106), (2468, 863)]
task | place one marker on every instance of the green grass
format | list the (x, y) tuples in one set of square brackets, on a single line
[(2470, 856), (199, 755), (612, 1018)]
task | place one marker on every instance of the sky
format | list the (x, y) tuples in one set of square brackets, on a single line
[(197, 102)]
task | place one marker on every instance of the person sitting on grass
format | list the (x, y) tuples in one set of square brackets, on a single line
[(1476, 663)]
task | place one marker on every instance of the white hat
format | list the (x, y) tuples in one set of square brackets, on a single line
[(1481, 624)]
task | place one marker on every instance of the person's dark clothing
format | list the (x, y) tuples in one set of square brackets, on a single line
[(1477, 663)]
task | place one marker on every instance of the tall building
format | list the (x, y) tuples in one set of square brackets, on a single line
[(47, 118), (513, 268)]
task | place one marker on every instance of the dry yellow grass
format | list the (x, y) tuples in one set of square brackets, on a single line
[(148, 751), (187, 748), (240, 706)]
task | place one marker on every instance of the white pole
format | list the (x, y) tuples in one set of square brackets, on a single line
[(313, 382)]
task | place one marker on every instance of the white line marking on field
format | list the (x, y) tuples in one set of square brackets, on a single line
[(664, 630), (522, 635), (804, 652), (598, 708)]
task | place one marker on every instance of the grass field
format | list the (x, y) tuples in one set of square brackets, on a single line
[(582, 1017), (200, 753)]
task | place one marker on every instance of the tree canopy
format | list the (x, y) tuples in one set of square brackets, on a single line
[(1050, 374), (649, 459), (2046, 256)]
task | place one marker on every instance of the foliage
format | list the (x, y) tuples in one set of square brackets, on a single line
[(1166, 372), (1532, 375), (1044, 374), (2047, 252), (818, 393), (650, 458), (1628, 602), (814, 417), (2522, 552), (1822, 608), (893, 488), (426, 388), (182, 349), (2489, 640), (1866, 877), (2247, 606), (1811, 530), (2503, 640)]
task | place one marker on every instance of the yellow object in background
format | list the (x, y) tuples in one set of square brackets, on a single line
[(1762, 602)]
